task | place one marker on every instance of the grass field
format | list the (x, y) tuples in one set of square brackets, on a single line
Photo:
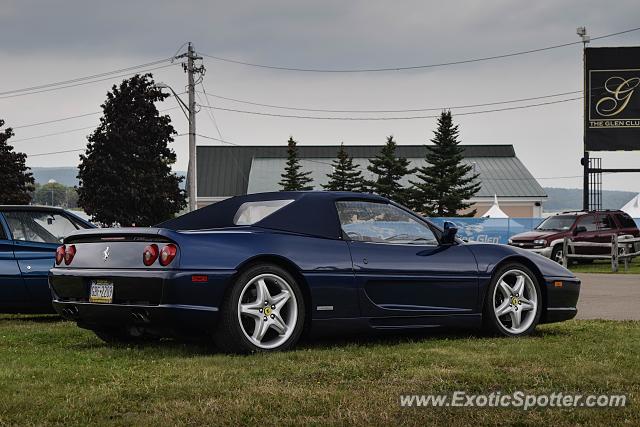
[(604, 266), (52, 372)]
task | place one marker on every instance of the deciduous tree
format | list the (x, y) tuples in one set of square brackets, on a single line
[(16, 180), (125, 175)]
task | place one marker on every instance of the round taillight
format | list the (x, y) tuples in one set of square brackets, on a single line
[(69, 253), (150, 255), (167, 254), (60, 254)]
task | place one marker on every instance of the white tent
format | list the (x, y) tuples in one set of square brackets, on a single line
[(633, 207), (495, 211)]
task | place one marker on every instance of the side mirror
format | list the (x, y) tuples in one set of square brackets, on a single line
[(579, 229), (449, 233)]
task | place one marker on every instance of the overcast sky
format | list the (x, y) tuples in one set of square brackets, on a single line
[(43, 42)]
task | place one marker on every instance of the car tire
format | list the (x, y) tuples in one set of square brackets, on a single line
[(512, 308), (556, 254), (263, 311)]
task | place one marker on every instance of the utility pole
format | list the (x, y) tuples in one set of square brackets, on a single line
[(191, 69), (192, 176), (582, 33)]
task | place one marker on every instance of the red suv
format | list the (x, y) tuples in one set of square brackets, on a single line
[(594, 226)]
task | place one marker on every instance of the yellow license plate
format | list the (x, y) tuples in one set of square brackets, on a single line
[(101, 291)]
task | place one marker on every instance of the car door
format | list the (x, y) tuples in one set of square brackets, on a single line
[(606, 229), (13, 292), (589, 234), (400, 267), (36, 235)]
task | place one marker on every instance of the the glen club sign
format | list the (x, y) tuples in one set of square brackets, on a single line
[(612, 104)]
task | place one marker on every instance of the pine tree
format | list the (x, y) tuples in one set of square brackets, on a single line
[(292, 178), (389, 170), (345, 176), (16, 181), (125, 175), (445, 184)]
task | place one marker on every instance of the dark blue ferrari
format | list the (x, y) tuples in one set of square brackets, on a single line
[(255, 271)]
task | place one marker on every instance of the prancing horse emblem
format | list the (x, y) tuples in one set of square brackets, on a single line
[(106, 254)]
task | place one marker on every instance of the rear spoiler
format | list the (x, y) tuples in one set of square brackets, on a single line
[(120, 234)]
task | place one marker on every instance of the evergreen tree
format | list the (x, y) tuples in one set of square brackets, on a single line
[(125, 175), (16, 181), (345, 176), (388, 170), (292, 178), (443, 186)]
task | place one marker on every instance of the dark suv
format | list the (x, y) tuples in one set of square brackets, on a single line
[(593, 226)]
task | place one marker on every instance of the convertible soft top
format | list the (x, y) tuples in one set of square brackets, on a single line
[(311, 212)]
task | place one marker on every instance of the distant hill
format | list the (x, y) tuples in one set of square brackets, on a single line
[(64, 175), (566, 199)]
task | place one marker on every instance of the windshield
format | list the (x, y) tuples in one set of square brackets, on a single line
[(557, 223)]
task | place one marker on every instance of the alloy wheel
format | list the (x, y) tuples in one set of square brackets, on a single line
[(267, 311), (515, 301)]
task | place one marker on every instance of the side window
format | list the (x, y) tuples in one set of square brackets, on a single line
[(382, 223), (3, 236), (605, 222), (626, 221), (588, 222), (42, 227)]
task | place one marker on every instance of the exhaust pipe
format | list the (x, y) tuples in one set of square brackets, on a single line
[(70, 312), (140, 316)]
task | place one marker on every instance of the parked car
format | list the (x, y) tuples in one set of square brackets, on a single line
[(29, 236), (255, 271), (594, 226)]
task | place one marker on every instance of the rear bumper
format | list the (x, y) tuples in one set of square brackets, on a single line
[(152, 299), (163, 317)]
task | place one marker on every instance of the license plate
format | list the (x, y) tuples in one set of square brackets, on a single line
[(101, 291)]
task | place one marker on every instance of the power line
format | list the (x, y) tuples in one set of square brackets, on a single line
[(55, 120), (391, 118), (310, 109), (73, 151), (54, 152), (52, 134), (65, 131), (78, 79), (413, 67), (61, 119), (210, 110), (395, 111), (82, 83)]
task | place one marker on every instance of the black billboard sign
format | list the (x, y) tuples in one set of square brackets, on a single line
[(612, 98)]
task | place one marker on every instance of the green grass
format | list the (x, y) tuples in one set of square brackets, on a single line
[(52, 372), (604, 266)]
